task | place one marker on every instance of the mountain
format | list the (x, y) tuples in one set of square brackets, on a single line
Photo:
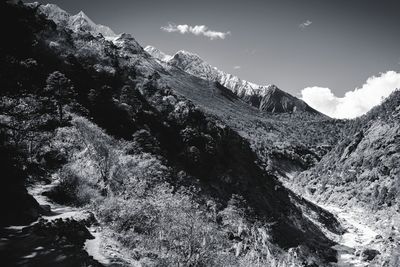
[(167, 163), (266, 98), (276, 100), (362, 173), (278, 141), (364, 161), (195, 65), (78, 22), (157, 54), (285, 142)]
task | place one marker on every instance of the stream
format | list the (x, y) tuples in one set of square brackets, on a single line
[(358, 236)]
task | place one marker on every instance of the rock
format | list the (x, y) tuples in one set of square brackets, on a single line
[(369, 254), (91, 219), (378, 237)]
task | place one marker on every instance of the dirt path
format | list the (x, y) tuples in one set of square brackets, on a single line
[(21, 246), (102, 248), (92, 246)]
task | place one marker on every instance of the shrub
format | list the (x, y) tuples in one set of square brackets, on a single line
[(72, 189)]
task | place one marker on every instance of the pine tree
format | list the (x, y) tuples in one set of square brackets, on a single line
[(60, 91)]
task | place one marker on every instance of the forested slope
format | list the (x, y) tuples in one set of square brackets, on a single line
[(169, 177)]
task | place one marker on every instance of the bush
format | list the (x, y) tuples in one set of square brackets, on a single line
[(72, 189)]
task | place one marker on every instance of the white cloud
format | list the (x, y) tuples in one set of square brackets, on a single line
[(354, 103), (236, 67), (305, 24), (196, 30)]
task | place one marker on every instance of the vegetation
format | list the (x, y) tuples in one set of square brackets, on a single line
[(161, 223), (362, 171), (60, 91), (175, 182), (365, 161)]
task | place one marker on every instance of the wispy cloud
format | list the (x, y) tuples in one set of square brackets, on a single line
[(305, 24), (356, 102), (250, 51), (236, 67), (196, 30)]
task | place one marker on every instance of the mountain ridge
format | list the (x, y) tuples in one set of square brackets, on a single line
[(264, 97), (79, 21)]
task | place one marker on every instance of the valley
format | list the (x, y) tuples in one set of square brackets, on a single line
[(116, 155)]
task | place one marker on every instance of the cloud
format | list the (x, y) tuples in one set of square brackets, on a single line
[(236, 67), (250, 51), (305, 24), (354, 103), (196, 30)]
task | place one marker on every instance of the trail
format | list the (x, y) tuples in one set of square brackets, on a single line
[(92, 246), (20, 248), (102, 248)]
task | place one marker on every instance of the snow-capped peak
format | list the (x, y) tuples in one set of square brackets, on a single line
[(195, 65), (78, 22), (83, 15), (55, 13), (157, 54), (264, 97), (128, 43)]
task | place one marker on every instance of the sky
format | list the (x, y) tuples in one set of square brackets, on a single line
[(337, 45)]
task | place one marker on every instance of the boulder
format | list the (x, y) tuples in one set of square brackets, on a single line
[(369, 254)]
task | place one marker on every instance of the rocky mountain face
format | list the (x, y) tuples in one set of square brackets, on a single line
[(157, 154), (285, 142), (362, 173), (157, 54), (78, 22), (362, 168), (276, 100), (264, 97)]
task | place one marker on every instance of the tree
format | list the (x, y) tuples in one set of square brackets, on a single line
[(99, 146), (102, 97), (60, 91), (151, 85)]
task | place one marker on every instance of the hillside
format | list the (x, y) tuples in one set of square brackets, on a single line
[(285, 142), (363, 165), (362, 171), (158, 156)]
